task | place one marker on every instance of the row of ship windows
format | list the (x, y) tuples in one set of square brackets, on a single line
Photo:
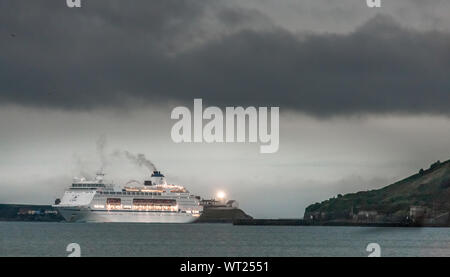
[(128, 193), (88, 185)]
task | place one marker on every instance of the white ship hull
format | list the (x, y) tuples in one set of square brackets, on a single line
[(86, 215)]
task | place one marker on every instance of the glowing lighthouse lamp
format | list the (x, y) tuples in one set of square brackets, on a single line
[(221, 196)]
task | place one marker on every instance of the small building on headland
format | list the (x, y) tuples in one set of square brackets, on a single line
[(214, 204), (417, 212), (366, 215)]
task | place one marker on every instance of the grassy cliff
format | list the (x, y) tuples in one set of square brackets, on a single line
[(429, 189)]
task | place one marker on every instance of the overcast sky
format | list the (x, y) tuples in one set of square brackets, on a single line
[(363, 94)]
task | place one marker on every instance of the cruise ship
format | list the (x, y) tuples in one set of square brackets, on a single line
[(155, 201)]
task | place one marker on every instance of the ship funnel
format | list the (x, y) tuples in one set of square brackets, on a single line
[(157, 179)]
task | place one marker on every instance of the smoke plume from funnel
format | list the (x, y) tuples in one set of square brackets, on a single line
[(139, 159), (101, 145), (81, 167)]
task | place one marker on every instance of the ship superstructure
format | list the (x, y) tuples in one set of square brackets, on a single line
[(155, 201)]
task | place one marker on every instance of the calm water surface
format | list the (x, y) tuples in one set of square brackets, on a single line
[(105, 239)]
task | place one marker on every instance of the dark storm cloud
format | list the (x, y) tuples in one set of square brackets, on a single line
[(112, 52)]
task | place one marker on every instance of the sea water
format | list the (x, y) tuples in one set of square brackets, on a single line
[(197, 240)]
